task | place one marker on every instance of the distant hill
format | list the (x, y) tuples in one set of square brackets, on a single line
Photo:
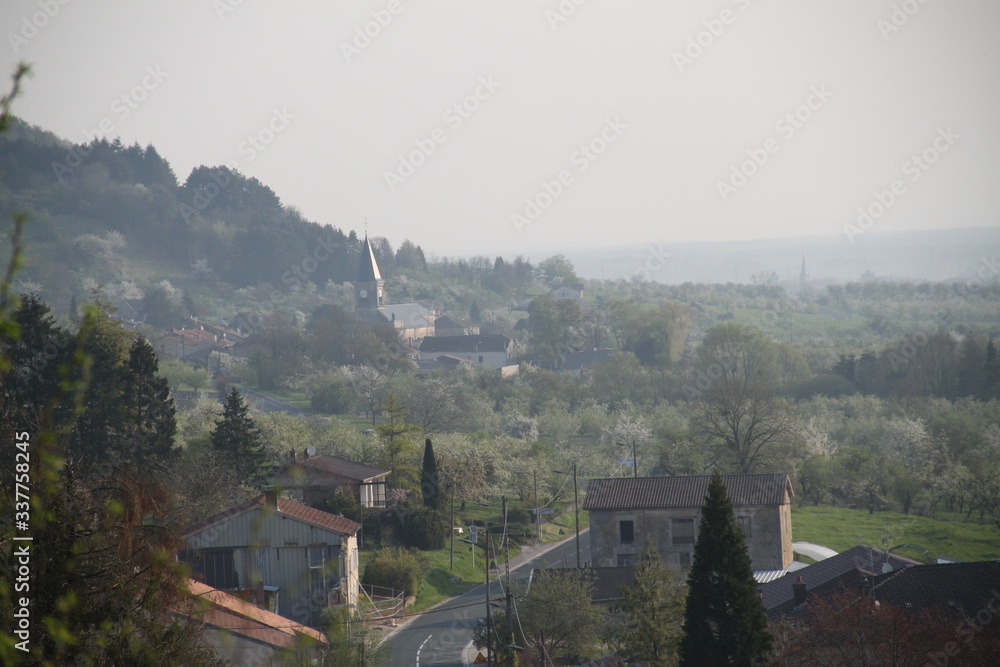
[(110, 214), (938, 255)]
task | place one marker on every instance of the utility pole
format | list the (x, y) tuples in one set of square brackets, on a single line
[(576, 506), (506, 545), (489, 616), (538, 517), (452, 492)]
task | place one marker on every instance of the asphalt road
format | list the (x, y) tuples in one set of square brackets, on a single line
[(439, 636)]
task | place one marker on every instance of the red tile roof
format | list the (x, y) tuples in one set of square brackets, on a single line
[(290, 508), (227, 612), (689, 491)]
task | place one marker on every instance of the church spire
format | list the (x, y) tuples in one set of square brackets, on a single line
[(368, 268), (369, 287)]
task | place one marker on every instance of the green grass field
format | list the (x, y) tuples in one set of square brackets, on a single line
[(840, 529), (443, 581)]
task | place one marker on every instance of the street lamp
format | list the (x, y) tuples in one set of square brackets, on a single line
[(576, 507)]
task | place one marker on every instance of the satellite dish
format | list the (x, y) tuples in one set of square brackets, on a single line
[(886, 568), (310, 450)]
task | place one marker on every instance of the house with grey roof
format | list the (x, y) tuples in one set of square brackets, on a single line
[(853, 566), (493, 350), (625, 512)]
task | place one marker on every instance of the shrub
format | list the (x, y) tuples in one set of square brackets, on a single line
[(518, 515), (338, 397), (422, 528), (394, 567)]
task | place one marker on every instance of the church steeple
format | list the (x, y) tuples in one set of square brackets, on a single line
[(369, 288)]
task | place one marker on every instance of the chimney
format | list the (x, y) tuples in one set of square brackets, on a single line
[(799, 591)]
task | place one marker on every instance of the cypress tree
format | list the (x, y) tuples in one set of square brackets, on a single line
[(724, 620), (430, 485), (239, 439)]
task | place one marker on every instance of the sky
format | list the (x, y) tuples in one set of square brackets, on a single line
[(512, 127)]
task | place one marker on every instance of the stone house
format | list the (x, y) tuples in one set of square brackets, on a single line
[(627, 511)]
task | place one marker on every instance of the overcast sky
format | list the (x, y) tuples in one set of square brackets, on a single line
[(623, 122)]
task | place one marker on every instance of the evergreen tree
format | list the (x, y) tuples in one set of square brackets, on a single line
[(724, 620), (34, 355), (148, 433), (652, 611), (429, 482), (991, 372), (238, 438), (98, 430)]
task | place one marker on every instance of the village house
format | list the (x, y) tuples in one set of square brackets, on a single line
[(446, 325), (626, 512), (494, 351), (572, 292), (860, 562), (311, 479), (242, 634), (286, 557)]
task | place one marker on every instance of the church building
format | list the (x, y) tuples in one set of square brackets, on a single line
[(412, 320)]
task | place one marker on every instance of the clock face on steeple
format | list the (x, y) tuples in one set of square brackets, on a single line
[(363, 294)]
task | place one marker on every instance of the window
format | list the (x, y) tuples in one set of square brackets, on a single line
[(626, 560), (745, 526), (317, 570), (480, 358), (216, 566), (626, 532), (682, 530)]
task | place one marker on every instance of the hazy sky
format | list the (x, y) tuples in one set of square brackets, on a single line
[(654, 121)]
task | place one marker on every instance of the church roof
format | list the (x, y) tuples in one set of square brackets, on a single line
[(368, 268)]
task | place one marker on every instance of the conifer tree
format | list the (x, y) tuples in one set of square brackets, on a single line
[(724, 620), (429, 483), (652, 610), (148, 431), (239, 439)]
